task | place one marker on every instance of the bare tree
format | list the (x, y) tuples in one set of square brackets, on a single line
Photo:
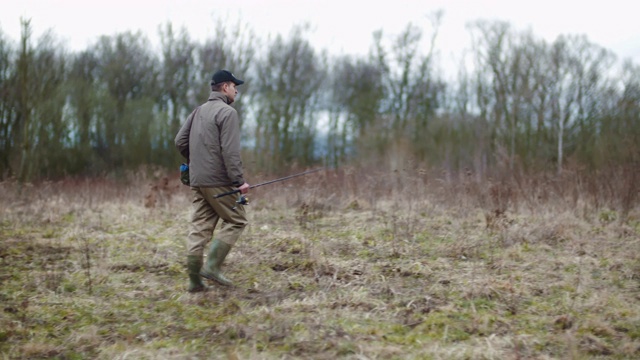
[(355, 105), (177, 79), (127, 74), (619, 123), (24, 100), (412, 91), (574, 88), (50, 125), (82, 96), (7, 106), (287, 92)]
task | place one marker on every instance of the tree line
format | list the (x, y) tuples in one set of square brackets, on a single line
[(517, 102)]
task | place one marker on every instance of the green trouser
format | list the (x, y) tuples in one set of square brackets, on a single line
[(207, 211)]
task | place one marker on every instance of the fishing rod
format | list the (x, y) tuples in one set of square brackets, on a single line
[(243, 199)]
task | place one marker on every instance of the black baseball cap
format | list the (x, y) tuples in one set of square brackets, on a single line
[(223, 76)]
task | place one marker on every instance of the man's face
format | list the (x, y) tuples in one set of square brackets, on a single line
[(230, 90)]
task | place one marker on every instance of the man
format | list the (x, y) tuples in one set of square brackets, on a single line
[(210, 141)]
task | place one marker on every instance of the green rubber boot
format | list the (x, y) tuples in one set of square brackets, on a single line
[(194, 264), (211, 270)]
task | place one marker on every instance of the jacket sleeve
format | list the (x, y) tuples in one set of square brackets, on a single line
[(182, 139), (230, 147)]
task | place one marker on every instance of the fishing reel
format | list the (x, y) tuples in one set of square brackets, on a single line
[(242, 200)]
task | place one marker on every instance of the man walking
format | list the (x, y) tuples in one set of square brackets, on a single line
[(210, 141)]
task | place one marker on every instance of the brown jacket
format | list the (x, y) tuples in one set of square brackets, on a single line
[(210, 141)]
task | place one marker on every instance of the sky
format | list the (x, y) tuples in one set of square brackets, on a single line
[(338, 26)]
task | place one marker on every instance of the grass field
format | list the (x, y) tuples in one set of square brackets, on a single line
[(332, 266)]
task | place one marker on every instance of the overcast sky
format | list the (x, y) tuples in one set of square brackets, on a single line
[(340, 26)]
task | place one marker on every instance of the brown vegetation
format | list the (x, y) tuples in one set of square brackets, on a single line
[(341, 264)]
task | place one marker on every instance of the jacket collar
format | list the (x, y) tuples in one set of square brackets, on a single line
[(216, 95)]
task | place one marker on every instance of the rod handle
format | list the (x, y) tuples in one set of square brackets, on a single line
[(227, 193)]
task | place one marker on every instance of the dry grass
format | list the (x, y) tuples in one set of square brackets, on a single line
[(333, 266)]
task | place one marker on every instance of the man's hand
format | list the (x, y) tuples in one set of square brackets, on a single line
[(244, 188)]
